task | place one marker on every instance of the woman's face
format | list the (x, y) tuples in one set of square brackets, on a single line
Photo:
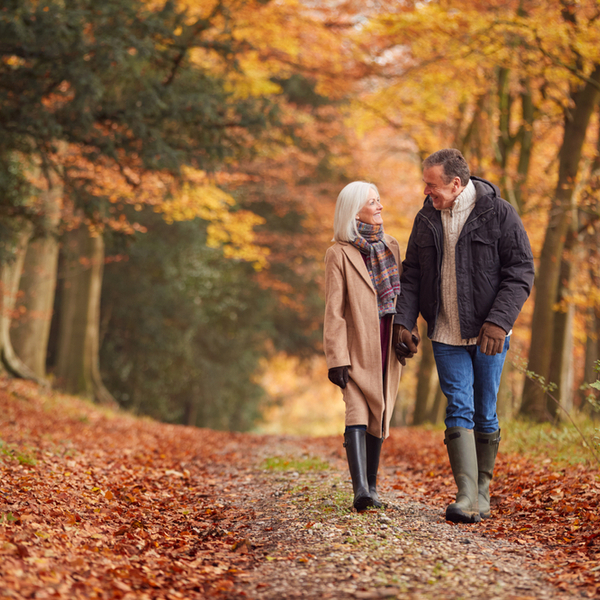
[(371, 212)]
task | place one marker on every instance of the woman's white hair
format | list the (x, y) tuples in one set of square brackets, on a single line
[(349, 202)]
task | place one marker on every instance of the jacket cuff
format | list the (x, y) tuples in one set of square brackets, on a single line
[(398, 320)]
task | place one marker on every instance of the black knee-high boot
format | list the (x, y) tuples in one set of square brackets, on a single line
[(373, 454), (356, 453)]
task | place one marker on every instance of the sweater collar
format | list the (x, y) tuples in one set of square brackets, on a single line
[(465, 200)]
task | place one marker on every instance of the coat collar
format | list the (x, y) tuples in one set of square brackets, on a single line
[(355, 257)]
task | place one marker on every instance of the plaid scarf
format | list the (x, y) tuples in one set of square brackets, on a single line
[(381, 265)]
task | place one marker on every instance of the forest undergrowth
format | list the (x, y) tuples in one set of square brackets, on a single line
[(97, 503)]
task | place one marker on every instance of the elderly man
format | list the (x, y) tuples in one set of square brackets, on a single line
[(468, 270)]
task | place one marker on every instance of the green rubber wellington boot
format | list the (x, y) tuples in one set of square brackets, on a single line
[(356, 453), (373, 454), (487, 449), (460, 443)]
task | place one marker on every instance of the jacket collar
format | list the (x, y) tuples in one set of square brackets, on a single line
[(486, 193)]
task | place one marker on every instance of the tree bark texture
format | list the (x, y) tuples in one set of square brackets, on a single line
[(425, 380), (10, 273), (77, 363), (512, 186), (561, 363), (591, 356), (38, 283), (577, 120)]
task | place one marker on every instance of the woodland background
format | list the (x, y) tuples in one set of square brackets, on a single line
[(169, 170)]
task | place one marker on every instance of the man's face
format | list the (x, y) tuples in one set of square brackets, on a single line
[(442, 194)]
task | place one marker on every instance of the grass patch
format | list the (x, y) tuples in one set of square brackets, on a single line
[(7, 518), (560, 442), (13, 453), (302, 465)]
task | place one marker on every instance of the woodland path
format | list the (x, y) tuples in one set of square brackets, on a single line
[(95, 503), (316, 548)]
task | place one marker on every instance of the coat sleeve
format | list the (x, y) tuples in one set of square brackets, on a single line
[(407, 304), (335, 330), (517, 273)]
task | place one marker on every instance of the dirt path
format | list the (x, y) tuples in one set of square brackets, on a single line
[(309, 545), (98, 504)]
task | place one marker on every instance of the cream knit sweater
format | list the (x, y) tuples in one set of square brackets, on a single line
[(447, 328)]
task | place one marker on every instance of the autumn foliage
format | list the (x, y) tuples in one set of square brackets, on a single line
[(99, 504)]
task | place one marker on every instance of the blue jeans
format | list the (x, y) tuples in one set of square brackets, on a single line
[(470, 380)]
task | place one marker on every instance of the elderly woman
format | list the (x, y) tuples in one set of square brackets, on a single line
[(362, 282)]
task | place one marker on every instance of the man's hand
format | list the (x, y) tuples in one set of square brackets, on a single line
[(491, 339), (404, 344), (339, 376), (415, 335)]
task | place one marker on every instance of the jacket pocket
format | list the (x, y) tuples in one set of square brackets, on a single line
[(484, 249)]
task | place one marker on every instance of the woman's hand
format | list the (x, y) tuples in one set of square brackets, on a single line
[(339, 376), (404, 343)]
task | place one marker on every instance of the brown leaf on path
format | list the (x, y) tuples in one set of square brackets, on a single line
[(123, 520), (382, 592), (242, 546)]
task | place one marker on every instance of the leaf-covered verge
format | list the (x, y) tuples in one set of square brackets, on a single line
[(98, 504), (537, 500)]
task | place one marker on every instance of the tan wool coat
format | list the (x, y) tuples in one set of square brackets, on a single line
[(352, 338)]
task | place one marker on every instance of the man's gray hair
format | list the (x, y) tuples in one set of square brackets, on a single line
[(453, 162)]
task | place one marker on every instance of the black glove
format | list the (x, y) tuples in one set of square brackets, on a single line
[(339, 376)]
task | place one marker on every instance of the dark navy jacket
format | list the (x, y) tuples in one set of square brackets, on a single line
[(494, 265)]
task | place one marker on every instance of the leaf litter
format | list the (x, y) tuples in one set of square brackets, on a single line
[(96, 503)]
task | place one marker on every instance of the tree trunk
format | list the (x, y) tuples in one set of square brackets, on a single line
[(38, 283), (526, 139), (591, 244), (190, 417), (561, 364), (591, 356), (512, 189), (10, 273), (425, 378), (575, 128), (77, 363), (504, 403)]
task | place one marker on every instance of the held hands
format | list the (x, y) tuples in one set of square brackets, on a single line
[(339, 376), (491, 339), (405, 343)]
